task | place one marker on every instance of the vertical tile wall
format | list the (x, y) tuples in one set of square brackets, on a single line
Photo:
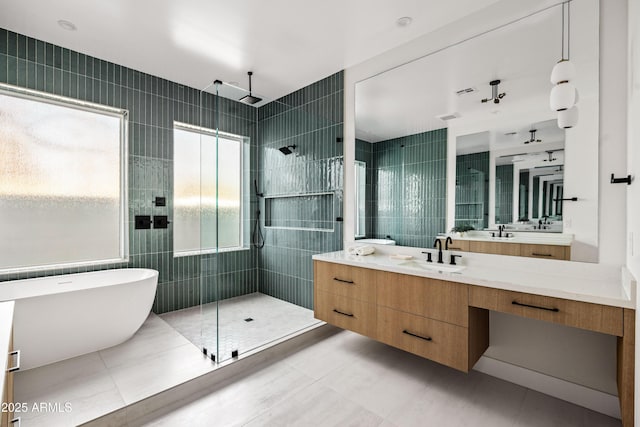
[(536, 197), (472, 190), (153, 104), (311, 119), (364, 153), (504, 194), (523, 211), (410, 176)]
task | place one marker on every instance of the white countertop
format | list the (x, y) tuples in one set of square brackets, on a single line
[(594, 283), (6, 325), (528, 237)]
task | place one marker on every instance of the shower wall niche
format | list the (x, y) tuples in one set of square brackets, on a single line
[(300, 212)]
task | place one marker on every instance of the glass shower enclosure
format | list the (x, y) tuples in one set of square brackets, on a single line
[(237, 314)]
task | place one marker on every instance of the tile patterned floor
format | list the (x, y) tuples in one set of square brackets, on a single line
[(272, 319), (350, 380), (156, 358), (344, 379)]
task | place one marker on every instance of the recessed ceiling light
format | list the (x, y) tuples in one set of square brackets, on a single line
[(67, 25), (405, 21)]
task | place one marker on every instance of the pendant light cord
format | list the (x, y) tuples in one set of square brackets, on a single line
[(568, 30)]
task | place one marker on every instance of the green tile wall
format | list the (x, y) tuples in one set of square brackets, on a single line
[(311, 119), (472, 190), (153, 105), (364, 153), (536, 197), (523, 211), (504, 194), (409, 178)]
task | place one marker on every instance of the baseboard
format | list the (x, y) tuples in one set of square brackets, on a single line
[(595, 400)]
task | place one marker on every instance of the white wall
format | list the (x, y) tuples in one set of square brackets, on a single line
[(633, 167), (608, 231)]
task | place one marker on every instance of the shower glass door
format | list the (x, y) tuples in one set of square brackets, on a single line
[(207, 166)]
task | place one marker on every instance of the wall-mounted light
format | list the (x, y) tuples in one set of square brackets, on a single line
[(564, 94)]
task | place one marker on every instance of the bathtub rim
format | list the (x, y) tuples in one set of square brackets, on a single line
[(61, 288)]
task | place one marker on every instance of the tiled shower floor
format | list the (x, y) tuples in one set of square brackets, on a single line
[(156, 358), (271, 319)]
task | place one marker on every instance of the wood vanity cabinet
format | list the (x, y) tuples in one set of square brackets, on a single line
[(545, 251), (457, 245), (427, 317), (345, 297), (497, 248), (512, 249), (7, 390)]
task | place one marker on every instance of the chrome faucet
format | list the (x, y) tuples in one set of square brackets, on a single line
[(438, 244)]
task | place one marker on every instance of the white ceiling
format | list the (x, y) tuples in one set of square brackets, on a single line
[(288, 44), (408, 99)]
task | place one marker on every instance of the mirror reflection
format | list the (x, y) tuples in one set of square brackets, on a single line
[(528, 187), (465, 138)]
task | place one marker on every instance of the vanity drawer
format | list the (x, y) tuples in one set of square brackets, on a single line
[(545, 251), (436, 299), (594, 317), (439, 341), (339, 279), (457, 245), (496, 248), (346, 313)]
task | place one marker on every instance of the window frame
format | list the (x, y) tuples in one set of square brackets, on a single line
[(200, 130), (123, 220)]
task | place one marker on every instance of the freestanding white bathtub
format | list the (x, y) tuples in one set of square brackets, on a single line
[(59, 317)]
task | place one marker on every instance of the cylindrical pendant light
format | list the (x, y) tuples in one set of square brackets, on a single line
[(563, 96), (568, 118)]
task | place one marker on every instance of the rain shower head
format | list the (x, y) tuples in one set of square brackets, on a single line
[(287, 150), (250, 99)]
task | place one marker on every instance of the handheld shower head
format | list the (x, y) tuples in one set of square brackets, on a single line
[(287, 150)]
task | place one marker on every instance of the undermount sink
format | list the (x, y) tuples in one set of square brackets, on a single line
[(430, 266)]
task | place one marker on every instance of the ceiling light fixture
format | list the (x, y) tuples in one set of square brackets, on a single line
[(551, 158), (533, 137), (495, 96), (405, 21), (564, 94), (67, 25)]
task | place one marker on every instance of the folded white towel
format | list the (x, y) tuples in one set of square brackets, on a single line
[(361, 250)]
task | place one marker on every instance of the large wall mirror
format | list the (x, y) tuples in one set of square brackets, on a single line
[(431, 155)]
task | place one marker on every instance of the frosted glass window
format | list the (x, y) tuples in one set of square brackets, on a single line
[(197, 224), (61, 186)]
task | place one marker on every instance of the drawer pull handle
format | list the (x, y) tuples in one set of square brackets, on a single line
[(537, 254), (16, 420), (417, 336), (555, 310), (343, 281), (17, 365), (343, 313)]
